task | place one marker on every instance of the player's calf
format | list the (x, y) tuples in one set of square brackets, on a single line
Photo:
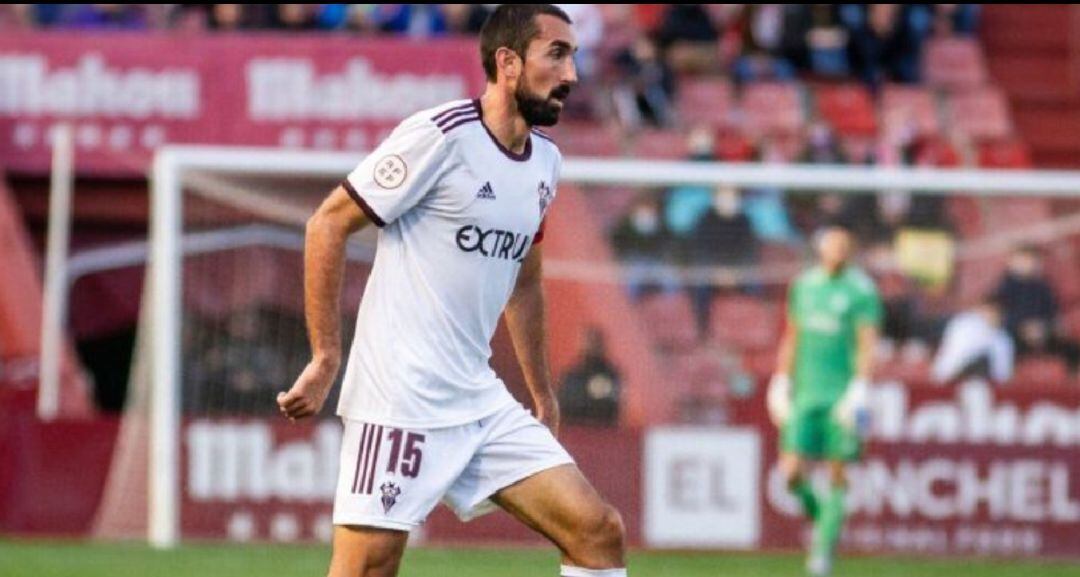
[(366, 552)]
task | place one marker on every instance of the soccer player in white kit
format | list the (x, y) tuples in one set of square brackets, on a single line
[(459, 193)]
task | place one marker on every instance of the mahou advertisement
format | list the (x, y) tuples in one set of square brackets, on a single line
[(126, 95), (970, 470)]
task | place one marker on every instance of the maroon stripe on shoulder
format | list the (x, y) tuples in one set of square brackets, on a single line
[(543, 135), (440, 116), (359, 458), (364, 206), (459, 122), (374, 461), (450, 117)]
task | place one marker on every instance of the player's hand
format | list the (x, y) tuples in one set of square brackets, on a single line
[(308, 393), (853, 410), (778, 399), (547, 412)]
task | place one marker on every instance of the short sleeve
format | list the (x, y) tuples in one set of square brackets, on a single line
[(400, 172)]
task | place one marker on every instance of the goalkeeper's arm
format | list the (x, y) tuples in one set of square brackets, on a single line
[(853, 409), (778, 399)]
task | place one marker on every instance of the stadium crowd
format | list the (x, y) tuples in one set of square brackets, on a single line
[(672, 72)]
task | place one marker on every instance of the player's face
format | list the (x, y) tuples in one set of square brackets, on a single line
[(548, 73), (834, 248)]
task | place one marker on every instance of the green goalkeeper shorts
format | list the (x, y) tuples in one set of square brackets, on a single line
[(815, 434)]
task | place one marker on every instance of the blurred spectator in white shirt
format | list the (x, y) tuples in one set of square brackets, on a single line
[(975, 343)]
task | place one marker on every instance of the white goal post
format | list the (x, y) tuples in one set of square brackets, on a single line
[(174, 165)]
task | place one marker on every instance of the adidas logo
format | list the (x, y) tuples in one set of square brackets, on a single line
[(486, 192)]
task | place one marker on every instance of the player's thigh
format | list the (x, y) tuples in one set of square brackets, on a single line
[(804, 435), (366, 551), (558, 502), (842, 445)]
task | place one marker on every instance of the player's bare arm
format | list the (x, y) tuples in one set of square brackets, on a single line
[(326, 235), (785, 356), (526, 319), (867, 339)]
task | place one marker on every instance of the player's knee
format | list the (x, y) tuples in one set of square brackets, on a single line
[(604, 531), (838, 476)]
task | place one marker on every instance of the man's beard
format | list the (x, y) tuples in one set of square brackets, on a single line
[(539, 111)]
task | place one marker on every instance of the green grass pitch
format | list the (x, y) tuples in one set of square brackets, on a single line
[(20, 558)]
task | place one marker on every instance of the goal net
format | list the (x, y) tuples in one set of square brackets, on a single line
[(690, 316)]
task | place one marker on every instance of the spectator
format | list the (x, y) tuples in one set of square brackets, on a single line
[(645, 88), (465, 18), (886, 41), (232, 17), (104, 16), (723, 237), (17, 17), (591, 389), (814, 41), (1031, 309), (688, 203), (642, 241), (293, 18), (688, 38), (762, 45), (955, 19), (975, 343), (414, 20)]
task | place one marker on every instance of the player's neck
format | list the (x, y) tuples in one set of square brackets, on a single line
[(499, 114)]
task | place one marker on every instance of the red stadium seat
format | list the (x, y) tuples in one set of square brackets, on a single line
[(745, 323), (912, 102), (980, 114), (669, 318), (734, 146), (977, 278), (848, 108), (1013, 213), (705, 101), (1071, 321), (954, 63), (965, 214), (1011, 153), (586, 139), (771, 107), (1041, 371), (660, 145)]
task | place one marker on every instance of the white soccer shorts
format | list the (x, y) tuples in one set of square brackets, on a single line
[(392, 478)]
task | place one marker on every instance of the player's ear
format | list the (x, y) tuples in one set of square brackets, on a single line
[(508, 62)]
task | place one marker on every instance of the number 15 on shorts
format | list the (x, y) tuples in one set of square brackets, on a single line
[(405, 458)]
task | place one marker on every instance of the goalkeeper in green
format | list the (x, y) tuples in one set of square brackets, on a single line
[(818, 396)]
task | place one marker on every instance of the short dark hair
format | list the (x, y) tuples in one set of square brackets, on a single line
[(512, 26)]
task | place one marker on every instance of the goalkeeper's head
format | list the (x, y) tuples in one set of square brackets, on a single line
[(835, 244)]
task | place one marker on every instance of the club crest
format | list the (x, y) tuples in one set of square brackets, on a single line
[(390, 494), (546, 195)]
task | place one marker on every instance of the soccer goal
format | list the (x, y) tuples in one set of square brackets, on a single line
[(203, 453)]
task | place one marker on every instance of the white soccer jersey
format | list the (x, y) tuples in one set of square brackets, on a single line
[(457, 213)]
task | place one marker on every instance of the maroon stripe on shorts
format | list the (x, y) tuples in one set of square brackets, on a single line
[(368, 464), (374, 461), (359, 458)]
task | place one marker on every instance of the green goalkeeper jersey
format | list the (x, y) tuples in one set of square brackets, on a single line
[(827, 311)]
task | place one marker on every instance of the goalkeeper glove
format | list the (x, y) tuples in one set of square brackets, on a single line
[(853, 410), (778, 399)]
